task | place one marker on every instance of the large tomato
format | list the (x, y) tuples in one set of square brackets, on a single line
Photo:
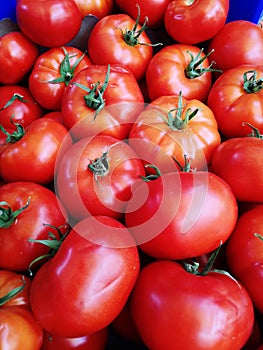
[(179, 214), (18, 325), (195, 21), (97, 8), (237, 97), (179, 67), (175, 309), (49, 23), (88, 281), (102, 100), (27, 211), (172, 127), (52, 72)]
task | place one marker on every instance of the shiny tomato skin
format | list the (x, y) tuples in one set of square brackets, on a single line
[(49, 23), (168, 301), (47, 69), (98, 8), (244, 253), (16, 252), (94, 270), (17, 56)]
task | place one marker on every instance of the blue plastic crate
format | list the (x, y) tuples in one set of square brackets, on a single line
[(7, 9), (249, 10)]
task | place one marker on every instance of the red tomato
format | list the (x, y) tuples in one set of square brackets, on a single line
[(52, 72), (17, 56), (98, 8), (49, 23), (179, 215), (236, 97), (96, 175), (260, 347), (152, 9), (33, 151), (118, 39), (238, 42), (87, 283), (102, 100), (28, 211), (245, 253), (179, 68), (239, 162), (175, 309), (18, 325), (17, 105), (195, 21), (172, 127)]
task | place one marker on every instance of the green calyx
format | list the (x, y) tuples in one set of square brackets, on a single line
[(259, 236), (195, 69), (100, 166), (14, 136), (255, 132), (7, 215), (14, 292), (251, 84), (151, 177)]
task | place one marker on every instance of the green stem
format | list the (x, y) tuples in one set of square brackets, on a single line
[(7, 215), (255, 132), (251, 84), (195, 69), (15, 97), (13, 293), (151, 177), (15, 136)]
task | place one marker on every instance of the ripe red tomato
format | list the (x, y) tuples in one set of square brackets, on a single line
[(49, 23), (102, 100), (88, 281), (18, 325), (196, 21), (245, 253), (17, 56), (236, 97), (177, 215), (172, 127), (17, 105), (52, 72), (238, 42), (96, 175), (175, 309), (118, 39), (98, 8), (33, 151), (179, 68), (28, 211)]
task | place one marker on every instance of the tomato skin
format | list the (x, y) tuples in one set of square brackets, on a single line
[(163, 301), (22, 112), (244, 253), (176, 216), (165, 74), (238, 162), (17, 56), (194, 22), (47, 68), (233, 105), (98, 8), (95, 279), (16, 252), (39, 21), (107, 45), (35, 153), (232, 49)]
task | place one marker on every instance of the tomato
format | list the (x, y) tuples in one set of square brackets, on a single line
[(17, 105), (18, 325), (98, 8), (119, 39), (88, 281), (179, 67), (95, 341), (52, 72), (179, 214), (172, 127), (33, 151), (17, 54), (245, 253), (102, 100), (195, 21), (235, 98), (28, 211), (96, 176), (152, 9), (238, 161), (49, 23), (260, 347), (232, 49)]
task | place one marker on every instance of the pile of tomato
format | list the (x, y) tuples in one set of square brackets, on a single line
[(131, 196)]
